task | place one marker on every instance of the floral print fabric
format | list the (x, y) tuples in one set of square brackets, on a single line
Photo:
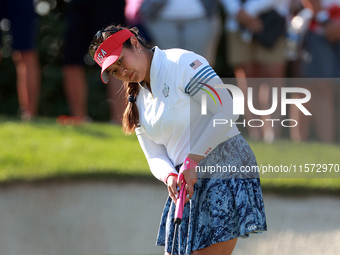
[(224, 205)]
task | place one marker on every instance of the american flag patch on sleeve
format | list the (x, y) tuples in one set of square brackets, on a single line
[(194, 65)]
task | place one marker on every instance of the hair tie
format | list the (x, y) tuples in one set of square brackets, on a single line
[(132, 99)]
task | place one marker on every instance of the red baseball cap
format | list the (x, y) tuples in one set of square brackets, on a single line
[(109, 51)]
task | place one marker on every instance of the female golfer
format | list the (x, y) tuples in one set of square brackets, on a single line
[(185, 126)]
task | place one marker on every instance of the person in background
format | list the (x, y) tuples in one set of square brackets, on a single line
[(84, 18), (322, 44), (192, 25), (22, 18), (251, 58), (133, 17)]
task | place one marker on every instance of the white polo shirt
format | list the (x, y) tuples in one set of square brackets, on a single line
[(171, 123)]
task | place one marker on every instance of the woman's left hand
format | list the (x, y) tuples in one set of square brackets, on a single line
[(190, 176)]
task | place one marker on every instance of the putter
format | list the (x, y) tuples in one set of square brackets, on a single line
[(179, 213)]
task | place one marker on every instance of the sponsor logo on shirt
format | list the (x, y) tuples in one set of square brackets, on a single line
[(166, 90), (207, 152)]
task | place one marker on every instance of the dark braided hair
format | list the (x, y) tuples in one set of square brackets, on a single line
[(131, 115)]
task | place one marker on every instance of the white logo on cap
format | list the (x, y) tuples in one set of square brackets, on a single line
[(101, 55)]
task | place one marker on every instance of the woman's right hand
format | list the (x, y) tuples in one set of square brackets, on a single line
[(172, 187)]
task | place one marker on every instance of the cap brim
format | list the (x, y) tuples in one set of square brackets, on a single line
[(105, 77), (108, 62)]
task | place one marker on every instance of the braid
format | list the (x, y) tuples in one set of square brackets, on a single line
[(131, 115)]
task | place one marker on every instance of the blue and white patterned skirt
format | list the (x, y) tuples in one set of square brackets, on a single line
[(222, 207)]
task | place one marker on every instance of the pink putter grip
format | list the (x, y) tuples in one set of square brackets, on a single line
[(180, 203), (188, 163)]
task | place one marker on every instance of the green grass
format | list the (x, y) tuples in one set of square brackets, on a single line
[(43, 150), (288, 153)]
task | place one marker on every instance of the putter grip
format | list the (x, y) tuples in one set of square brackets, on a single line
[(180, 204)]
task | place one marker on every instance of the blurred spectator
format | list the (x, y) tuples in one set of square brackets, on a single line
[(193, 25), (84, 19), (134, 19), (255, 49), (322, 44), (22, 19)]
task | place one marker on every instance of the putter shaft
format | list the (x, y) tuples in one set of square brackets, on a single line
[(174, 240)]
